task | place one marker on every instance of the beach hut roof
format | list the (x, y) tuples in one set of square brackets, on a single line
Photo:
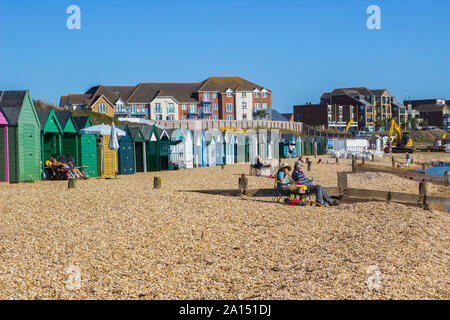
[(136, 134), (81, 122), (10, 104), (66, 122), (44, 116)]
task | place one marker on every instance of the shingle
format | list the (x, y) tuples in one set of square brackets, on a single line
[(43, 116)]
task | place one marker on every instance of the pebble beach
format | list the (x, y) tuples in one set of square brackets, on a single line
[(121, 239)]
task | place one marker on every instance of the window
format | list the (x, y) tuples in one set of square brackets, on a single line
[(264, 94), (229, 94), (184, 117), (206, 109), (102, 108), (215, 117), (159, 117), (264, 105), (244, 116), (158, 108), (384, 100), (257, 106), (214, 95), (256, 94), (229, 117), (184, 106), (244, 94), (206, 96), (351, 113), (229, 107), (171, 108), (171, 117), (192, 108), (206, 118), (244, 105), (216, 106)]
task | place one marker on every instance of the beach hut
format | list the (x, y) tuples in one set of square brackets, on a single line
[(69, 139), (106, 158), (210, 144), (298, 146), (188, 142), (23, 135), (253, 152), (151, 137), (198, 148), (140, 160), (219, 147), (51, 133), (177, 147), (164, 150), (87, 146), (126, 152), (242, 148), (228, 148), (4, 153)]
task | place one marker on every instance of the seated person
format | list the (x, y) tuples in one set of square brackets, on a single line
[(259, 163), (284, 181), (321, 195), (75, 171)]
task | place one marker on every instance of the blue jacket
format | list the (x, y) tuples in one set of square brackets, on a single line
[(299, 176)]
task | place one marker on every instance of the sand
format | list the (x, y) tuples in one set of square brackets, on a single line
[(120, 239)]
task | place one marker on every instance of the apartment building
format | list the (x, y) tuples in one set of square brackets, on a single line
[(216, 98), (435, 112), (363, 106)]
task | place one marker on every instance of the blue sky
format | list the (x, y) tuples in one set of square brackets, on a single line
[(298, 49)]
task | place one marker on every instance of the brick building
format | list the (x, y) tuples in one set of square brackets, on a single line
[(434, 111), (216, 98)]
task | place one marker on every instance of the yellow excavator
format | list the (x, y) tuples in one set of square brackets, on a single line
[(401, 142)]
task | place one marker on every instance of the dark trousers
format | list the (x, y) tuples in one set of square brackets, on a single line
[(320, 193), (258, 165)]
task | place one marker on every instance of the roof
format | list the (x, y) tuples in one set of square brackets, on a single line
[(77, 99), (276, 116), (378, 92), (10, 104), (182, 92), (134, 131), (80, 122), (221, 84), (63, 117), (430, 107)]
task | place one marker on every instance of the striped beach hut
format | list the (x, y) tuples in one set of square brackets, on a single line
[(87, 146), (23, 135), (4, 153), (198, 148), (151, 136), (164, 150), (219, 147), (188, 149), (210, 151)]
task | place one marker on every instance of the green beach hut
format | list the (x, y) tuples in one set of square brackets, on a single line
[(139, 149), (69, 139), (151, 137), (23, 135), (87, 146), (51, 134)]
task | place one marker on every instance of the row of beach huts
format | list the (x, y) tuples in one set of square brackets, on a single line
[(28, 138)]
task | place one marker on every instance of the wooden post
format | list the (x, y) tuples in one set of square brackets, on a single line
[(423, 191), (243, 184), (157, 183), (447, 177), (308, 162), (72, 182), (223, 166), (363, 160), (342, 182), (412, 160), (337, 159), (393, 162), (373, 157), (353, 164), (423, 168)]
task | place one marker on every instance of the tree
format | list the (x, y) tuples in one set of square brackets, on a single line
[(379, 123), (423, 123), (261, 113), (413, 122)]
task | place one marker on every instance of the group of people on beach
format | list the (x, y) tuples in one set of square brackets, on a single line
[(63, 168), (293, 181)]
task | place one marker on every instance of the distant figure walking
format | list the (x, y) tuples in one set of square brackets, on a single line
[(408, 159), (315, 149)]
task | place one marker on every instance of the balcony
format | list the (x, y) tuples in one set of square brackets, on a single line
[(193, 112), (129, 112)]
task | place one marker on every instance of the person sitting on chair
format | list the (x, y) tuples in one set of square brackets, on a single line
[(75, 170), (284, 181), (258, 165), (321, 195)]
